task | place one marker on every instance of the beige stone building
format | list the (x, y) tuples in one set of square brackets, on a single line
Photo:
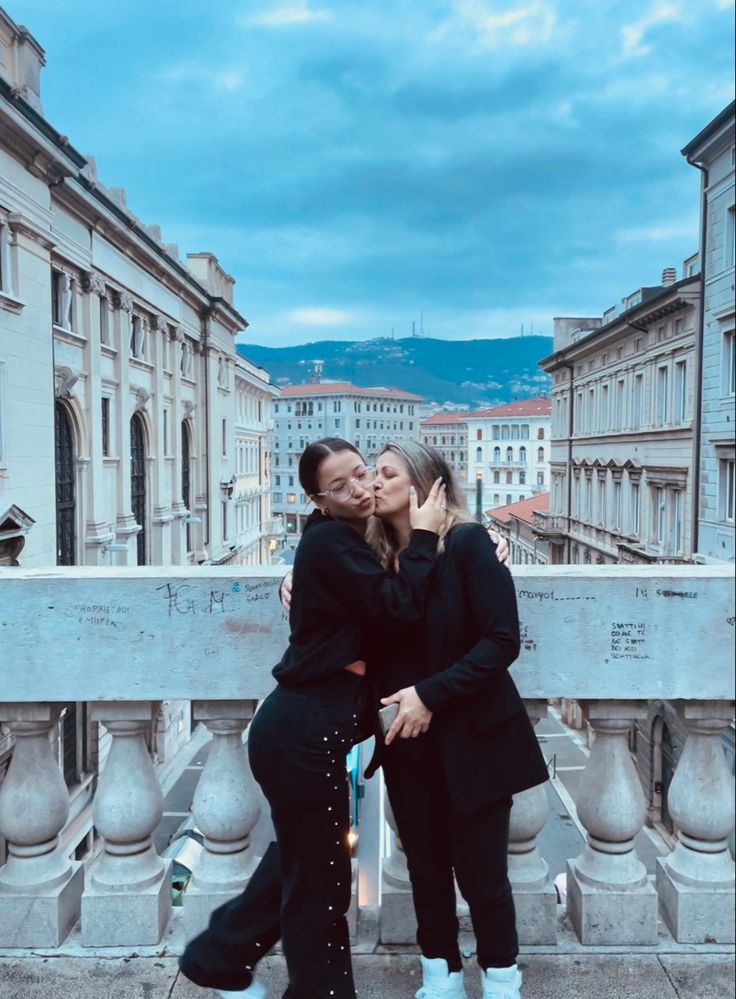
[(516, 523), (622, 428)]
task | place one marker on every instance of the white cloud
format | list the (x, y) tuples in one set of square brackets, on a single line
[(632, 35), (284, 17), (319, 316), (667, 231), (527, 24), (222, 79)]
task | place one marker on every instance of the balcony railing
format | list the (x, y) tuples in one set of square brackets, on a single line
[(613, 638)]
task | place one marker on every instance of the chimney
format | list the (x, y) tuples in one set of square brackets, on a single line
[(669, 276)]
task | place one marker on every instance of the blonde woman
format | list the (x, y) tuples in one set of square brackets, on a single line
[(461, 744)]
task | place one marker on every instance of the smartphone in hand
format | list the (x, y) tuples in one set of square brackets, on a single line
[(387, 716)]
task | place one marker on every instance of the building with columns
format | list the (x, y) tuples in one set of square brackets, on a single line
[(712, 152), (623, 389), (367, 417), (124, 408), (508, 453)]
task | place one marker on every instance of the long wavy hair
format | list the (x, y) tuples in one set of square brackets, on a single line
[(424, 465)]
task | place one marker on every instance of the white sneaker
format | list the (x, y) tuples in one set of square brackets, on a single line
[(501, 983), (438, 982), (254, 991)]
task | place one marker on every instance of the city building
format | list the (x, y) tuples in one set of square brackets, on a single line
[(508, 453), (515, 523), (622, 428), (448, 434), (367, 417), (712, 152), (119, 432), (256, 532)]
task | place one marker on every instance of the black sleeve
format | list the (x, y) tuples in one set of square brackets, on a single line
[(379, 598), (489, 590)]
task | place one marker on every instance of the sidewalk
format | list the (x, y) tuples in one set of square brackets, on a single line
[(382, 976)]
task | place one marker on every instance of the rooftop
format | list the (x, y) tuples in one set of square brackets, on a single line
[(540, 406), (441, 419), (523, 510), (347, 388)]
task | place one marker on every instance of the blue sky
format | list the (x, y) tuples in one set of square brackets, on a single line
[(490, 162)]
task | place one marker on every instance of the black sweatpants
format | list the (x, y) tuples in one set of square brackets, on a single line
[(300, 891), (441, 845)]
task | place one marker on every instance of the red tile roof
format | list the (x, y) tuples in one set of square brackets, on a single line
[(443, 418), (525, 407), (346, 388), (522, 510)]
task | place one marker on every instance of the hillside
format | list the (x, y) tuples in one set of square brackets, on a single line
[(467, 372)]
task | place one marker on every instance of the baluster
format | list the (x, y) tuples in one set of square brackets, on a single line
[(226, 808), (127, 898), (610, 898), (40, 887), (398, 921), (535, 897), (696, 881)]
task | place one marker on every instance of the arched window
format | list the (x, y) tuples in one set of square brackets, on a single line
[(66, 474), (138, 483), (497, 455), (522, 454), (479, 454), (509, 454), (540, 434), (540, 454)]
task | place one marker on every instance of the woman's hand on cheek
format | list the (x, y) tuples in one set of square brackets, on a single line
[(430, 516), (413, 717)]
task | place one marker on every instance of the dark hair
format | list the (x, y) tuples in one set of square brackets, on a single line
[(313, 456)]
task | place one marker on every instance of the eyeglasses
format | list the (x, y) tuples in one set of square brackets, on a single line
[(344, 490)]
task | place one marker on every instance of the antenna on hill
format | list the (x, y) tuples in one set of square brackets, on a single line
[(421, 323), (413, 328), (531, 331)]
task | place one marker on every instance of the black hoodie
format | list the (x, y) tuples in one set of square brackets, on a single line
[(342, 597)]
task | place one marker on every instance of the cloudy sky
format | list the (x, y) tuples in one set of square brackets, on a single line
[(354, 163)]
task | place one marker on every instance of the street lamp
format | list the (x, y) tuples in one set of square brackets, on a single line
[(479, 497)]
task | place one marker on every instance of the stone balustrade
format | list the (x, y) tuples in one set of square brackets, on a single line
[(613, 638)]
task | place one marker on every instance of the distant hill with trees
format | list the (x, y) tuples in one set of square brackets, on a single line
[(472, 373)]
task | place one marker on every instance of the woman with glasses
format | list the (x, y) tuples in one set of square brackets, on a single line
[(462, 743), (302, 732)]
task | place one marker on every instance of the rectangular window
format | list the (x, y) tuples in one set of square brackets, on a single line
[(620, 404), (105, 426), (576, 497), (659, 512), (509, 499), (540, 478), (663, 386), (680, 392), (224, 438), (602, 501), (726, 490), (638, 407), (635, 509), (291, 497), (678, 504), (729, 364), (730, 236), (104, 321), (603, 416), (617, 505), (588, 499), (166, 432), (224, 520)]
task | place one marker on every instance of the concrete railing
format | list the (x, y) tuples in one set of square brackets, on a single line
[(124, 639)]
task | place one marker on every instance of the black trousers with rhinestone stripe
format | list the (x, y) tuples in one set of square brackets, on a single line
[(300, 892)]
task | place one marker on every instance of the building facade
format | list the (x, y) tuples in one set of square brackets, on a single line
[(119, 431), (256, 533), (712, 152), (448, 434), (367, 417), (508, 453), (516, 524), (622, 427)]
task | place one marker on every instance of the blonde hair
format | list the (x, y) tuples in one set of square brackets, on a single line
[(424, 466)]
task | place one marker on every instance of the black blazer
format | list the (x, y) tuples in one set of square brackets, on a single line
[(486, 742)]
